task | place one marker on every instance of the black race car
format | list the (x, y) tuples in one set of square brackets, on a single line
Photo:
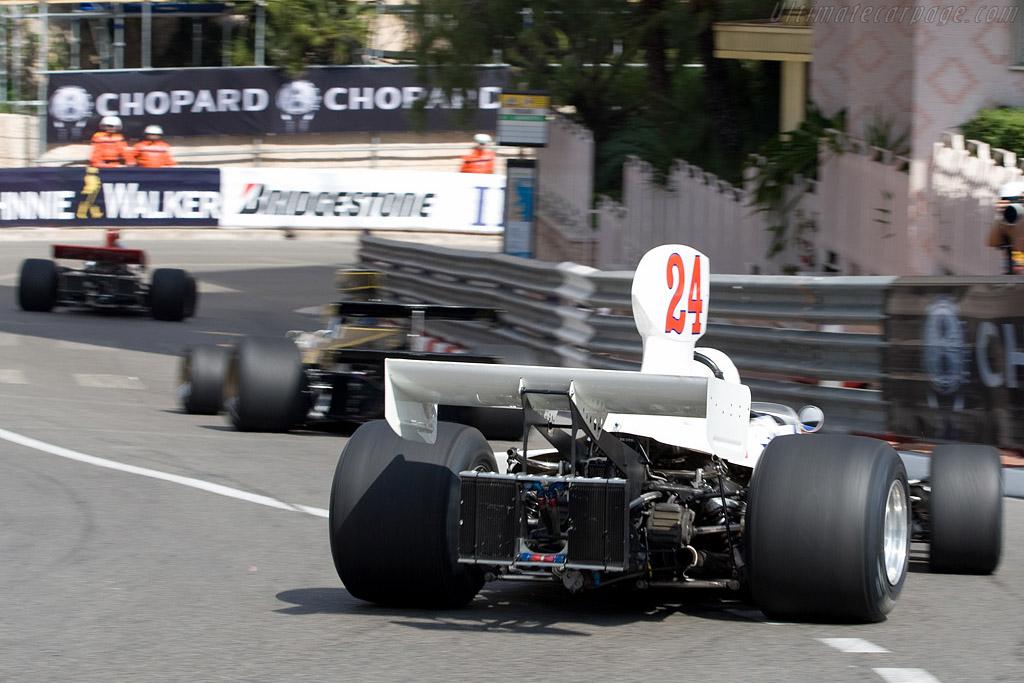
[(333, 376)]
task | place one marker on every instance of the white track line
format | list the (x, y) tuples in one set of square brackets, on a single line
[(209, 487), (906, 676), (853, 645)]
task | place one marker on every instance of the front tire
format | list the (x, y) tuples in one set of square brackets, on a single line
[(201, 375), (828, 528), (394, 516), (37, 285), (966, 509), (265, 381)]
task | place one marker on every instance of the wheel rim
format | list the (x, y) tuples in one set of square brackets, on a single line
[(896, 537)]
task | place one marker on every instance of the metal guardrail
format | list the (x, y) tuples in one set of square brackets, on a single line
[(794, 339)]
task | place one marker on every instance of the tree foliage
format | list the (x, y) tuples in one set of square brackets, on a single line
[(301, 33), (784, 159), (640, 74), (1002, 127)]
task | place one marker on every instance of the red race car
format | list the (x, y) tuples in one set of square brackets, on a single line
[(111, 278)]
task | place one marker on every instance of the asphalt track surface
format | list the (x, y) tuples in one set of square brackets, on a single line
[(138, 543)]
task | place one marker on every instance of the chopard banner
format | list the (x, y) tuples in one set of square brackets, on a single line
[(362, 199), (954, 356), (264, 101), (82, 197)]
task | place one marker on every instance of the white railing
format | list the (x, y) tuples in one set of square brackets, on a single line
[(693, 207), (964, 182), (855, 219), (566, 189), (863, 197)]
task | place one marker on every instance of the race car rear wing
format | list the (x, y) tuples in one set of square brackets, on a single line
[(126, 257), (376, 309), (413, 389)]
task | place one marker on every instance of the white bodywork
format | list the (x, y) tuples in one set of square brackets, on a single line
[(672, 399)]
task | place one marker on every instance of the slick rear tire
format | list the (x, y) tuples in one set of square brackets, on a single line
[(201, 378), (37, 286), (828, 528), (264, 387), (394, 516), (966, 509), (168, 294)]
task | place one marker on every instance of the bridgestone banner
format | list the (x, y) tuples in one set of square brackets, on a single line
[(83, 197), (954, 359), (362, 199), (265, 101)]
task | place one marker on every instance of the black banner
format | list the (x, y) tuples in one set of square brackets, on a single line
[(953, 359), (82, 197), (264, 101)]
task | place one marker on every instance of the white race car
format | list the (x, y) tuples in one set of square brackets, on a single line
[(666, 477)]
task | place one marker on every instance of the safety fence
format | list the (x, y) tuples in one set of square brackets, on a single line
[(926, 357)]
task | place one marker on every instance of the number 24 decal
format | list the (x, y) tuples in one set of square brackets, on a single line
[(695, 305)]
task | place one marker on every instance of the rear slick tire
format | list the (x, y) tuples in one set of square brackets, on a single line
[(201, 379), (394, 516), (966, 509), (37, 285), (263, 391), (828, 529), (168, 294)]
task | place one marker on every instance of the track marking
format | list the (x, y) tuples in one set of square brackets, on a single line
[(79, 346), (853, 645), (207, 486), (906, 676), (109, 381), (205, 287), (8, 376)]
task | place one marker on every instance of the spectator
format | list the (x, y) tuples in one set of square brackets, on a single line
[(109, 149), (153, 152), (1006, 233), (480, 159)]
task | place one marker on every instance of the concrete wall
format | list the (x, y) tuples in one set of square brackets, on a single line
[(410, 151), (865, 68), (927, 66), (18, 136)]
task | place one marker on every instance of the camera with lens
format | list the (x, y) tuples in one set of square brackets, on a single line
[(1013, 193), (1013, 212)]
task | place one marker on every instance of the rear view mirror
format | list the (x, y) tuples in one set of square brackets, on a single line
[(811, 418)]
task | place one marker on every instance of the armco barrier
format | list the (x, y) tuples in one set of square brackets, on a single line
[(795, 340)]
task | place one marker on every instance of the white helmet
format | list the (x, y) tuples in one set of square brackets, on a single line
[(111, 121), (482, 138), (1011, 190), (154, 130)]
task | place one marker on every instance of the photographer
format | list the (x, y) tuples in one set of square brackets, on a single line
[(1006, 233)]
